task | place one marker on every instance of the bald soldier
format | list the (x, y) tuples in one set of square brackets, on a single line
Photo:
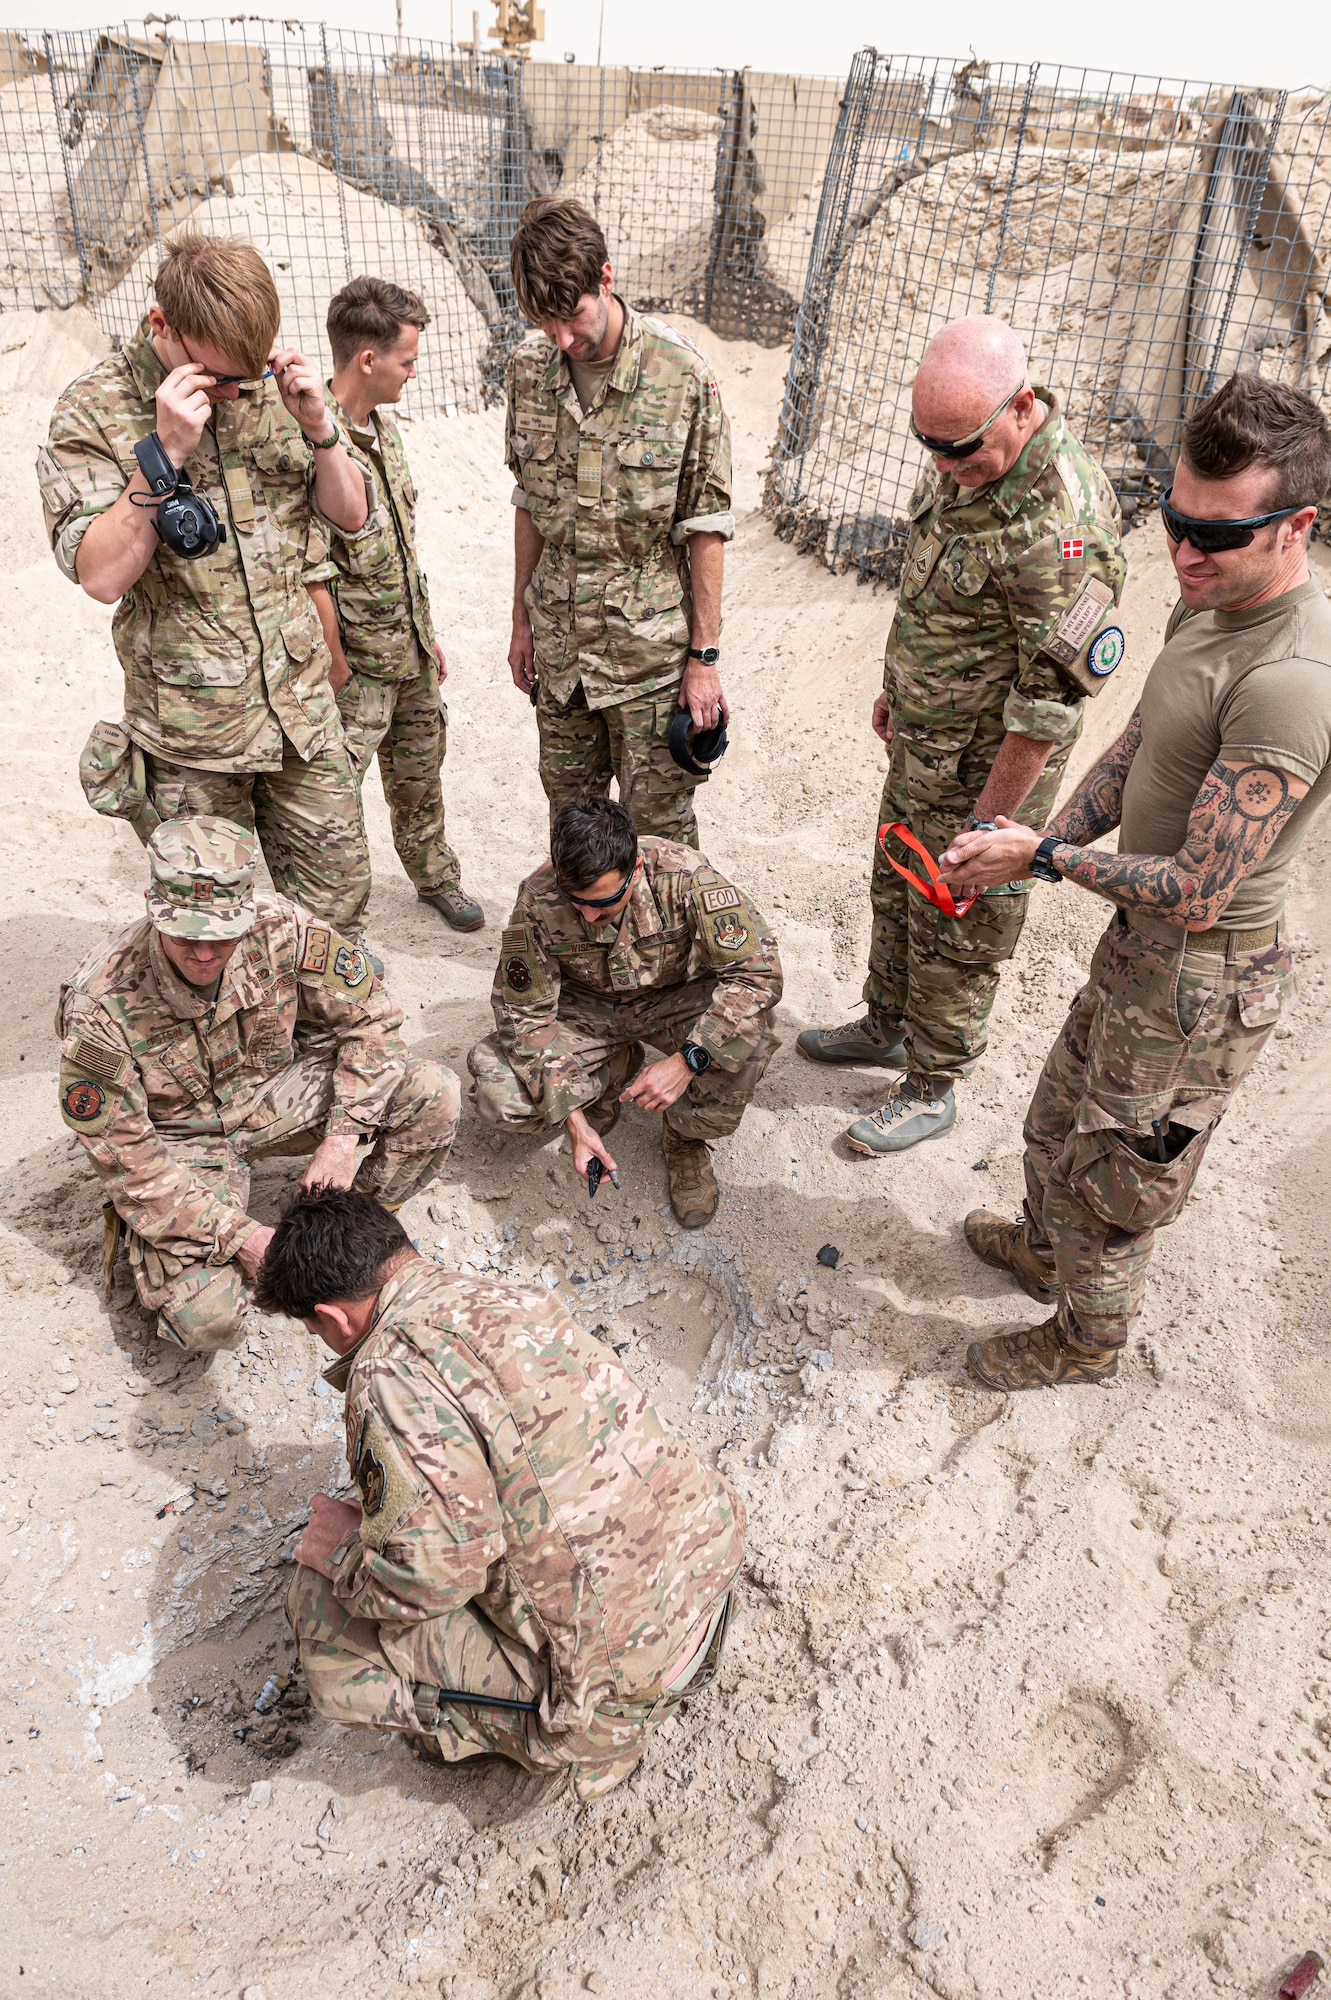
[(1004, 625), (535, 1564), (615, 942), (223, 1028)]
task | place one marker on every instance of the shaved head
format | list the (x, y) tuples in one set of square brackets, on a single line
[(967, 370)]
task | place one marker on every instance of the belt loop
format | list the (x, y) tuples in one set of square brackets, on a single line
[(1232, 948)]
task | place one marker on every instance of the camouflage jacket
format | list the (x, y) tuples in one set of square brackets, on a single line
[(223, 655), (378, 585), (559, 978), (616, 492), (146, 1060), (505, 1459), (997, 584)]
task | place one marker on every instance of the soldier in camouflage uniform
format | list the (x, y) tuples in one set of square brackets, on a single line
[(537, 1565), (621, 452), (228, 1027), (228, 709), (388, 665), (612, 943), (1003, 625)]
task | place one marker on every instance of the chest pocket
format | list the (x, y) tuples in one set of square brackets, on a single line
[(961, 574), (648, 467), (180, 1060), (535, 444)]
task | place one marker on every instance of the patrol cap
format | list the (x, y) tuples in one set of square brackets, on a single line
[(202, 878)]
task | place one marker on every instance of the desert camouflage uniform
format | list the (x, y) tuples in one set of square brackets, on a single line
[(531, 1530), (977, 648), (173, 1095), (1165, 1029), (392, 706), (688, 960), (226, 670), (616, 491)]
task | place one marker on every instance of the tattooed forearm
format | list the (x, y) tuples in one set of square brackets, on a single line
[(1097, 804), (1238, 814)]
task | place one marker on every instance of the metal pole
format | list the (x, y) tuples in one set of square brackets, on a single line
[(1011, 188), (85, 268)]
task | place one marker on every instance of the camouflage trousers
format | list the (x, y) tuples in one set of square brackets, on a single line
[(583, 748), (1153, 1049), (933, 978), (711, 1107), (199, 1304), (405, 723), (371, 1676), (307, 816)]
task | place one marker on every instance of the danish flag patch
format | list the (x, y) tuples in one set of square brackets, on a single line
[(1072, 548)]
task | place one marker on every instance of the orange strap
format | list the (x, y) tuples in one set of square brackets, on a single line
[(935, 890)]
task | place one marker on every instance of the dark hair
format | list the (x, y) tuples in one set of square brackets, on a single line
[(556, 256), (592, 837), (330, 1244), (1251, 421), (371, 312)]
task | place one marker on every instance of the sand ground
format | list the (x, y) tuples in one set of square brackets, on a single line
[(1027, 1697)]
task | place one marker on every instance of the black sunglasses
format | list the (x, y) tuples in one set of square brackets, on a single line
[(963, 447), (1210, 537), (600, 902)]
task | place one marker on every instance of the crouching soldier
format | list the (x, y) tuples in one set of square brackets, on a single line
[(228, 1027), (536, 1565), (613, 942)]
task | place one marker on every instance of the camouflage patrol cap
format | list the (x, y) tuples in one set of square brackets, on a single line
[(202, 878)]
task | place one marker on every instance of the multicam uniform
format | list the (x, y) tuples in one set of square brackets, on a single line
[(392, 706), (226, 670), (1005, 591), (174, 1094), (616, 491), (688, 960), (531, 1531)]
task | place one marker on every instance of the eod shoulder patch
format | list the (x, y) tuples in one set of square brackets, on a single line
[(389, 1488), (520, 971), (92, 1082)]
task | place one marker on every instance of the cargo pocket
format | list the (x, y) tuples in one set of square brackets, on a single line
[(989, 932), (1262, 995), (1116, 1175), (645, 625), (551, 614)]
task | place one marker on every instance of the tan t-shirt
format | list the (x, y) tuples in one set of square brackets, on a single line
[(590, 377), (1253, 687)]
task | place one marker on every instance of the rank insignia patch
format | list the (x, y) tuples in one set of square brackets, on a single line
[(518, 974), (351, 966), (314, 957), (720, 899), (83, 1101), (1072, 548), (730, 933)]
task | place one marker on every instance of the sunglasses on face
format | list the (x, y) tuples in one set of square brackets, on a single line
[(1209, 538), (963, 447), (224, 381), (599, 902)]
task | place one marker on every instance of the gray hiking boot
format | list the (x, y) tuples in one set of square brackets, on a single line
[(456, 907), (855, 1042), (915, 1111)]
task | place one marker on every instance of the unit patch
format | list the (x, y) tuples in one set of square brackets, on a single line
[(1078, 622), (389, 1486), (1105, 651), (351, 966), (371, 1479), (83, 1101), (518, 974), (720, 899), (314, 956), (1072, 548), (730, 933)]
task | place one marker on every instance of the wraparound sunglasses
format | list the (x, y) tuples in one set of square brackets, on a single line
[(1209, 538)]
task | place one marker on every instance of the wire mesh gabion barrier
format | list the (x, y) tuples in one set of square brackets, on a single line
[(1145, 237), (344, 152)]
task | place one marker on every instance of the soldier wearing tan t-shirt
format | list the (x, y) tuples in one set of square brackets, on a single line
[(1212, 785)]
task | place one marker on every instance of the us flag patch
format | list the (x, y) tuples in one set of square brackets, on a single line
[(1072, 548)]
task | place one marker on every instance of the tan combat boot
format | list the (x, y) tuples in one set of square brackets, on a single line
[(624, 1066), (1037, 1358), (694, 1194), (1003, 1244)]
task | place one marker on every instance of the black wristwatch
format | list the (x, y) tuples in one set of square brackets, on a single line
[(696, 1057), (709, 655), (1042, 861)]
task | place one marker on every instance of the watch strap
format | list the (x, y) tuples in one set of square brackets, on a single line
[(325, 444)]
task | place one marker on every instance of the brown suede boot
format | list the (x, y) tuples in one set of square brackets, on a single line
[(1037, 1358), (694, 1194), (1003, 1244), (625, 1063)]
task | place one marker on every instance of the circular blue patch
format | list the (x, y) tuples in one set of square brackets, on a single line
[(1106, 651)]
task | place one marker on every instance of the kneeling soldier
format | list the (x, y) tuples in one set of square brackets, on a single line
[(614, 942), (229, 1027), (537, 1566)]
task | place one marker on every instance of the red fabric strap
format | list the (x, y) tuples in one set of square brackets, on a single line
[(935, 890)]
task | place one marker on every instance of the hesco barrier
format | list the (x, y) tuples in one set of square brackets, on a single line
[(338, 153), (1146, 237)]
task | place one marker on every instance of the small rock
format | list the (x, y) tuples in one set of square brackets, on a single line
[(254, 1993), (924, 1933), (980, 1167), (67, 1384), (830, 1256), (261, 1792), (748, 1749)]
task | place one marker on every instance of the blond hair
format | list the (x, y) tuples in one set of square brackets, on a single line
[(218, 289)]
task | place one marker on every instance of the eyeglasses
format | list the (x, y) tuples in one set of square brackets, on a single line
[(600, 902), (963, 447), (1210, 537)]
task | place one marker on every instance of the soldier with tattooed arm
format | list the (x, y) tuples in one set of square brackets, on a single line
[(1212, 786)]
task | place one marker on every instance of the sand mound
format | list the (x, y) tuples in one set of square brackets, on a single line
[(652, 190), (290, 208)]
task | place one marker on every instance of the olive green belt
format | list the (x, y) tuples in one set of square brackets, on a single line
[(1223, 942)]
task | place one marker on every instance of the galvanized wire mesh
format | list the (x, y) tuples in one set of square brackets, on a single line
[(341, 152), (1145, 237)]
